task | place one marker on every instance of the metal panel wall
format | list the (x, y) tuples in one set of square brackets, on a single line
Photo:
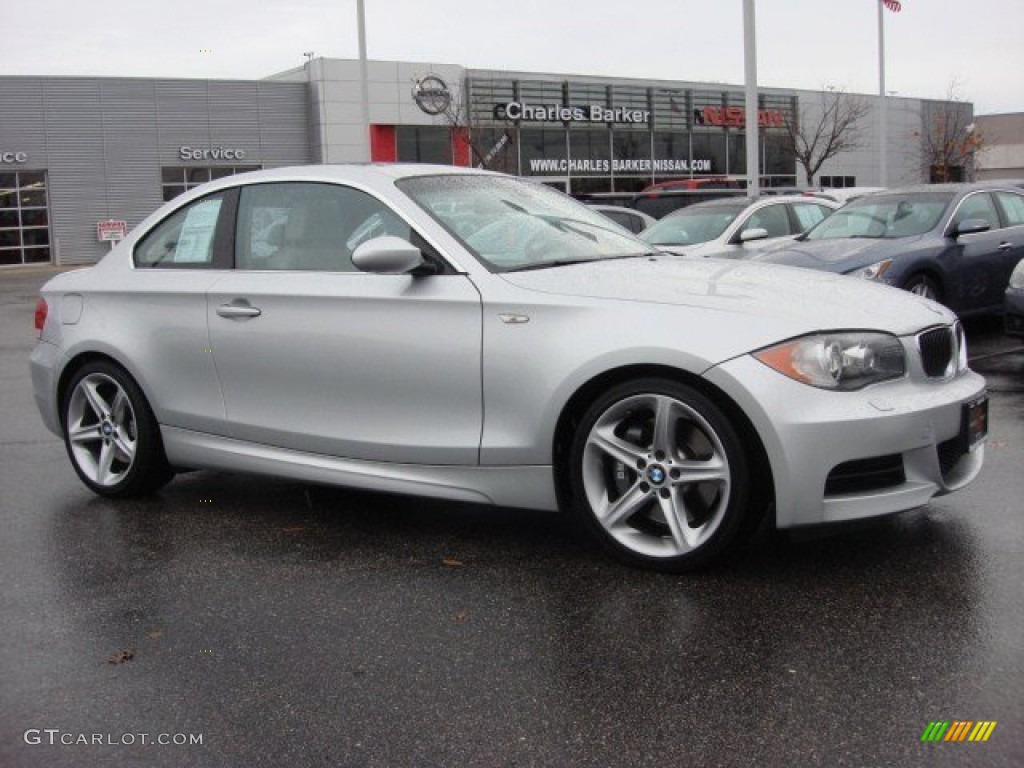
[(103, 141)]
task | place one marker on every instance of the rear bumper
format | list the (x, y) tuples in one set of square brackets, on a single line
[(45, 365)]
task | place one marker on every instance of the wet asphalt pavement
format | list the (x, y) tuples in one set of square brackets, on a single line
[(294, 625)]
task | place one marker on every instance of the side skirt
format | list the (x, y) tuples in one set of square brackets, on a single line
[(530, 487)]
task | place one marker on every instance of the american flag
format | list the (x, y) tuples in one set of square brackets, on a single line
[(893, 5)]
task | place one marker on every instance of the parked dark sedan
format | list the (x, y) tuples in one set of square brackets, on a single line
[(955, 243)]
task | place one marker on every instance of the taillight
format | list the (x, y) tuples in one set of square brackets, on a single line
[(41, 310)]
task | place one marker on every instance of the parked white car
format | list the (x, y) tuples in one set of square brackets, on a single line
[(734, 227)]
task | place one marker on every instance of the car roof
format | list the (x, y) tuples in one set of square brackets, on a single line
[(747, 202), (952, 188), (356, 172)]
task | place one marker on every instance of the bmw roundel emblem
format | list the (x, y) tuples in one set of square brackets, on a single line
[(656, 475)]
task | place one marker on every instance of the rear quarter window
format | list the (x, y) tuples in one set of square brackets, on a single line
[(186, 238)]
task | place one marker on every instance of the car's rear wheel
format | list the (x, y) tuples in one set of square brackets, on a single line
[(111, 435), (659, 474), (922, 285)]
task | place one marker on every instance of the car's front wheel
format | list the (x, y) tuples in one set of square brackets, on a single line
[(659, 474), (111, 435)]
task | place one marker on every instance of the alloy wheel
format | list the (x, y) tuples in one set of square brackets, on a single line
[(656, 475)]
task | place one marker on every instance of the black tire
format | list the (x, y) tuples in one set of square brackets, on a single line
[(922, 285), (110, 433), (630, 487)]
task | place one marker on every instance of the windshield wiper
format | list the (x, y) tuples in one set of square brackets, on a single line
[(553, 263), (570, 262)]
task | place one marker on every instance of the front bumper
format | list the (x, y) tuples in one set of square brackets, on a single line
[(809, 433)]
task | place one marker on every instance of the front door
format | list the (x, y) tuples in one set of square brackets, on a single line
[(313, 355)]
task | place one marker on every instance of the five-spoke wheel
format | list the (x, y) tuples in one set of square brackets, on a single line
[(111, 435), (659, 473)]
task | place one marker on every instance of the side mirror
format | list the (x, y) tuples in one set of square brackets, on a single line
[(757, 233), (387, 255), (971, 227)]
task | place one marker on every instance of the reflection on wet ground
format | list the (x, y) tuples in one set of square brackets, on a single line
[(298, 624)]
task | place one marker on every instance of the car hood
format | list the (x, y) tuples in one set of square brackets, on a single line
[(780, 301), (839, 255)]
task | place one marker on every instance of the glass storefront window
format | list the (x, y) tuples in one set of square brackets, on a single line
[(24, 218), (37, 255), (544, 152), (424, 144), (590, 152), (709, 149), (737, 157), (176, 180), (689, 132)]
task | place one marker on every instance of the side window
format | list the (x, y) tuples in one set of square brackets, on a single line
[(622, 219), (809, 214), (978, 206), (772, 218), (184, 239), (1013, 208), (308, 226)]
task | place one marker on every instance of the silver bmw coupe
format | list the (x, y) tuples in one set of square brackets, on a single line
[(471, 336)]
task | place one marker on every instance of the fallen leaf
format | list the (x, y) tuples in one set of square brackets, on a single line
[(451, 562), (462, 616), (125, 654)]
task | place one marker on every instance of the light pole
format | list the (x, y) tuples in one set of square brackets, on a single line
[(883, 119), (750, 96), (364, 85)]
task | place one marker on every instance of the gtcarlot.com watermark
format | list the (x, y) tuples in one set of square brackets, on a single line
[(54, 736)]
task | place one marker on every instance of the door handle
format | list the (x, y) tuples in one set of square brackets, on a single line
[(1005, 246), (238, 311)]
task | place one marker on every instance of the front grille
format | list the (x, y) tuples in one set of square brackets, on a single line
[(864, 475), (937, 351), (950, 453)]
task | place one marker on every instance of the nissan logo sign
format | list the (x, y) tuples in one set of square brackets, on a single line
[(431, 94)]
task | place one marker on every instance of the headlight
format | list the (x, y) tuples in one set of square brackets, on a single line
[(873, 271), (1017, 277), (841, 361)]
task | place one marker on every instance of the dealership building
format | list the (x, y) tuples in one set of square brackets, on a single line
[(84, 158)]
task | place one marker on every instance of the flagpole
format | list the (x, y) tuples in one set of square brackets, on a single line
[(883, 120)]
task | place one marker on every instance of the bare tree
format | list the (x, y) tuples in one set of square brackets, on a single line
[(950, 143), (816, 135), (489, 145)]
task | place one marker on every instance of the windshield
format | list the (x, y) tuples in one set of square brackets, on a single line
[(511, 224), (692, 226), (885, 216)]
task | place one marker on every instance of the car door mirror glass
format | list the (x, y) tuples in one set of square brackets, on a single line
[(756, 233), (387, 255), (971, 227)]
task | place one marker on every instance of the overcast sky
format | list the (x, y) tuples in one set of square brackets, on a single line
[(979, 44)]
